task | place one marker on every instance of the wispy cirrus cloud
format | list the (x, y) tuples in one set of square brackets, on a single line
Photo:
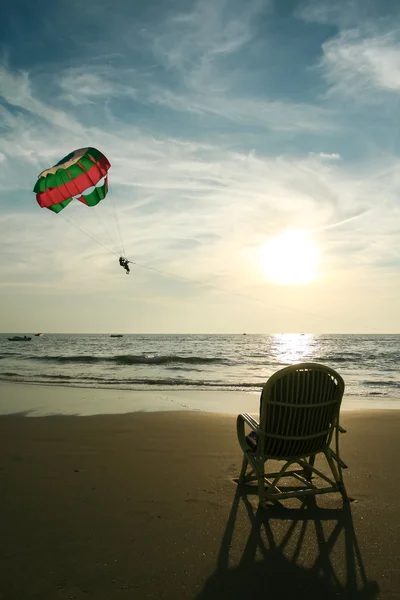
[(166, 186), (359, 64), (200, 49), (83, 85), (348, 14), (205, 167), (362, 58), (193, 41), (327, 155), (273, 115), (16, 90)]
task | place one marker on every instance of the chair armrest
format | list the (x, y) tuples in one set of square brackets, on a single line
[(251, 422), (247, 419)]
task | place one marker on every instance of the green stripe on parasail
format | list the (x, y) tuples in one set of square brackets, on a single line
[(81, 175)]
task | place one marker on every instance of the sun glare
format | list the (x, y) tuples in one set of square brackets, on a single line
[(290, 258)]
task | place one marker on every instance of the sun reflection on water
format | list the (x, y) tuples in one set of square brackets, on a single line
[(289, 348)]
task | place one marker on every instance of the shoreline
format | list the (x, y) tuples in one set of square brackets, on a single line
[(37, 400)]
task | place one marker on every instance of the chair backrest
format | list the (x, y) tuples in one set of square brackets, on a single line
[(299, 409)]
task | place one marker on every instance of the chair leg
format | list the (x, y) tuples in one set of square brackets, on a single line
[(243, 469), (308, 472), (261, 483), (341, 483), (337, 474), (344, 493)]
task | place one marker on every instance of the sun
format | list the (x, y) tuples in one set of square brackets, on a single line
[(290, 258)]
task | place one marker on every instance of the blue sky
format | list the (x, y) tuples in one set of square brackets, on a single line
[(226, 123)]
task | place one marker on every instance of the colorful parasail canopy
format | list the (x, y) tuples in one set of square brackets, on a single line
[(82, 175)]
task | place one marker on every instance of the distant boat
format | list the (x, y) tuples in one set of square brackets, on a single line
[(116, 335), (18, 338), (38, 334)]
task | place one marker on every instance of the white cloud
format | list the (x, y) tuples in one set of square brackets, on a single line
[(274, 115), (192, 41), (194, 47), (16, 90), (81, 86), (359, 65), (327, 155), (228, 202), (341, 12), (199, 210)]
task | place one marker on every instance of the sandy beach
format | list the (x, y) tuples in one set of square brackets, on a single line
[(144, 505)]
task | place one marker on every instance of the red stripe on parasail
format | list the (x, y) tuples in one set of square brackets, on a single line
[(75, 186)]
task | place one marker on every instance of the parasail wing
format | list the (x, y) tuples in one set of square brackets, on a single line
[(81, 175)]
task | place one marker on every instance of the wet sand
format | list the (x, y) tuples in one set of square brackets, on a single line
[(34, 400)]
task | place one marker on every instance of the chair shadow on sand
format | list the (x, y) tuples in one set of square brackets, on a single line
[(308, 552)]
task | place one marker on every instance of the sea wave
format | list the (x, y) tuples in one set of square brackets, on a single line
[(368, 364), (343, 358), (131, 359), (164, 383), (93, 381), (357, 357), (394, 384)]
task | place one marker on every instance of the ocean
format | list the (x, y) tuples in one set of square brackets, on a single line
[(369, 364)]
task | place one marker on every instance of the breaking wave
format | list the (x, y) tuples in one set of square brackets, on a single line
[(131, 359)]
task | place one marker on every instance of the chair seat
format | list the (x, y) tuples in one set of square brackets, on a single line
[(252, 440)]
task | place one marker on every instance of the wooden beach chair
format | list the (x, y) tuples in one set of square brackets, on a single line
[(299, 419)]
